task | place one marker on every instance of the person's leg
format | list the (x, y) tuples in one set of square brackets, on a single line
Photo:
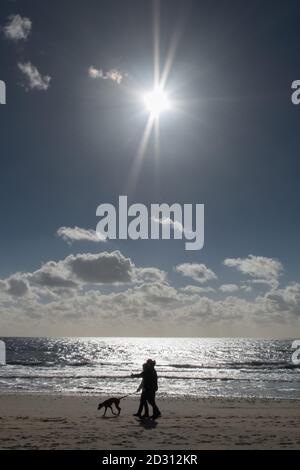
[(156, 410), (139, 411), (151, 401), (142, 405), (146, 407)]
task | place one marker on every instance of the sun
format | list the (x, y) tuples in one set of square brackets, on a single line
[(157, 101)]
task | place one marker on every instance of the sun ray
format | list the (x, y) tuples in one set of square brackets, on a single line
[(169, 60), (156, 41), (156, 100), (131, 183)]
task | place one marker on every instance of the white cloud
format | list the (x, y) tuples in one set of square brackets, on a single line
[(16, 286), (256, 266), (103, 268), (175, 225), (285, 300), (52, 275), (192, 290), (161, 302), (246, 288), (106, 293), (17, 28), (95, 73), (150, 274), (79, 234), (112, 74), (83, 269), (198, 272), (33, 79), (158, 293), (229, 288)]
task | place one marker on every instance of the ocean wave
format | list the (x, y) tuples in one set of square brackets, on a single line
[(48, 364), (238, 365), (166, 377)]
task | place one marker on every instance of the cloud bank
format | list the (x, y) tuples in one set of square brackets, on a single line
[(106, 293), (198, 272)]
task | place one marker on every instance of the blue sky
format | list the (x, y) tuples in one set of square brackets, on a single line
[(69, 141)]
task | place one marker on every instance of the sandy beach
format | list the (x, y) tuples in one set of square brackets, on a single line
[(73, 422)]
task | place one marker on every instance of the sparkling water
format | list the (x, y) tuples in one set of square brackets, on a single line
[(185, 366)]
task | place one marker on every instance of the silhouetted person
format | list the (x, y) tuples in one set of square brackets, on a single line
[(150, 386), (143, 400)]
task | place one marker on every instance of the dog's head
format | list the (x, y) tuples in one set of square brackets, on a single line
[(100, 406)]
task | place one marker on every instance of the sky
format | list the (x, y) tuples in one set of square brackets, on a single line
[(70, 137)]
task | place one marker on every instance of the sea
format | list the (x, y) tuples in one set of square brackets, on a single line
[(186, 367)]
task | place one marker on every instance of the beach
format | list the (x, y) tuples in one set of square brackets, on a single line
[(41, 421), (213, 394)]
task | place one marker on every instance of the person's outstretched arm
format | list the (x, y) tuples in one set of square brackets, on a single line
[(136, 376)]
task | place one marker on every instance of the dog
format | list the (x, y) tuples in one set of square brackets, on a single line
[(109, 403)]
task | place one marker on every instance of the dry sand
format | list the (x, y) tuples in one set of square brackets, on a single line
[(72, 422)]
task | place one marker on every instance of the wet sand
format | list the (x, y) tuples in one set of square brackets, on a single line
[(73, 422)]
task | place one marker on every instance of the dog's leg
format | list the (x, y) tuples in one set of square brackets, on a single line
[(104, 412), (112, 410), (118, 408)]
